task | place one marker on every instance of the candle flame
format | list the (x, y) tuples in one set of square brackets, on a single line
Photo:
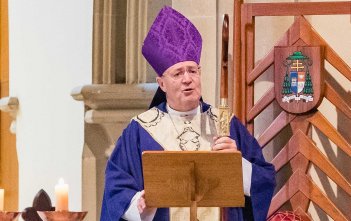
[(61, 181)]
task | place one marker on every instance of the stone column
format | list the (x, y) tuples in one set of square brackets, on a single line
[(136, 30), (140, 16), (109, 41)]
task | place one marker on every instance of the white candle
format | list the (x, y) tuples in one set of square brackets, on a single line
[(2, 195), (61, 193)]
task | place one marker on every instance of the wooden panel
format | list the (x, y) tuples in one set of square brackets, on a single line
[(299, 182), (264, 64), (249, 67), (278, 124), (290, 188), (185, 176), (312, 153), (261, 104), (300, 202), (299, 162), (319, 121), (300, 8), (300, 143), (311, 37), (332, 95), (303, 214), (301, 150), (285, 154), (334, 59), (237, 100), (301, 124), (246, 35), (311, 190), (8, 151)]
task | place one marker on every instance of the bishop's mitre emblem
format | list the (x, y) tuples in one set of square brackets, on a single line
[(297, 77)]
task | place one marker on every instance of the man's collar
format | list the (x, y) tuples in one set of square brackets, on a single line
[(192, 112), (163, 107)]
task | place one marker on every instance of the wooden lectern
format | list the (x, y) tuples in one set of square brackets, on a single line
[(193, 179)]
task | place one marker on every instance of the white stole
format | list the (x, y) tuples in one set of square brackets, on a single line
[(178, 133)]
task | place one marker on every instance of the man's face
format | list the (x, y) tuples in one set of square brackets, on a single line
[(182, 85)]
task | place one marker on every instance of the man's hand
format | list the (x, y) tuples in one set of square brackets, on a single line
[(146, 213), (226, 144), (141, 202)]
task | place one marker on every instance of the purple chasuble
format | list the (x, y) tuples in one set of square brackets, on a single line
[(124, 178)]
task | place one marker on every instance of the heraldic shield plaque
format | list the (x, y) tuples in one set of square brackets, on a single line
[(298, 77)]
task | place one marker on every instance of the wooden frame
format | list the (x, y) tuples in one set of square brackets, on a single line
[(300, 151)]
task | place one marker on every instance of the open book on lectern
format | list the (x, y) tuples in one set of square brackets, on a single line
[(178, 178)]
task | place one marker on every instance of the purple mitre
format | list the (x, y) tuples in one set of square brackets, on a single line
[(172, 39)]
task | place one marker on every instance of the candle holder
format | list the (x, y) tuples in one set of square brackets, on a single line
[(8, 216), (61, 215)]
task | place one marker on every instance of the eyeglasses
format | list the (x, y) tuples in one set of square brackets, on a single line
[(179, 74)]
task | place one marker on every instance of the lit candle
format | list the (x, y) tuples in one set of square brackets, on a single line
[(61, 193), (2, 193)]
